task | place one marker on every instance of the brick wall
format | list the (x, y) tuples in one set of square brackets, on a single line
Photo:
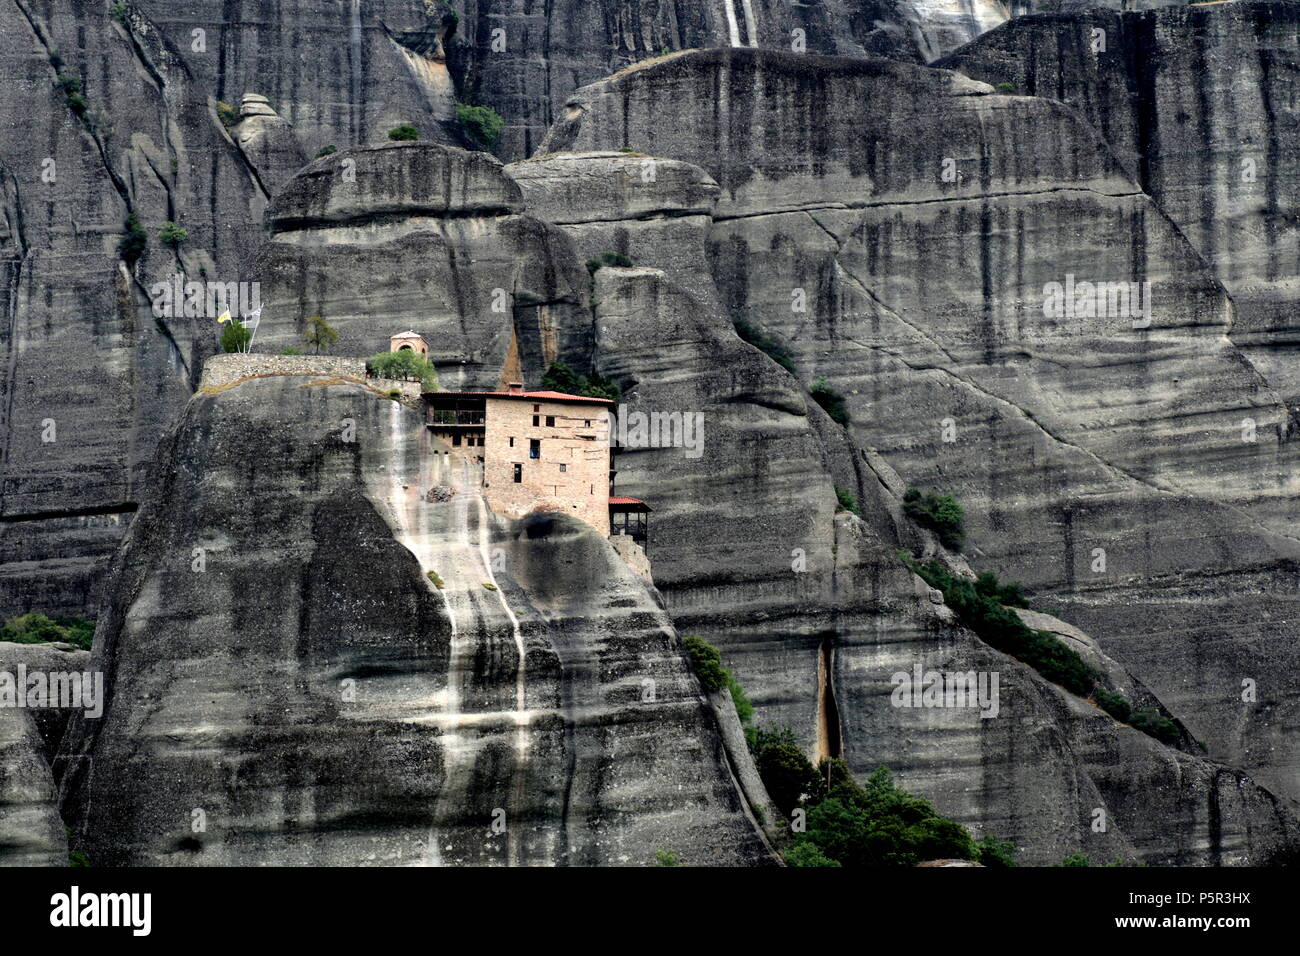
[(580, 489)]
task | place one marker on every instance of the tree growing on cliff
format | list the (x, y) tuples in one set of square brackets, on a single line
[(320, 335), (560, 378), (133, 244), (234, 337), (482, 124), (406, 133), (942, 514), (172, 234), (404, 365)]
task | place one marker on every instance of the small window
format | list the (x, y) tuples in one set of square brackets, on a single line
[(536, 420), (564, 468), (537, 408), (534, 448), (519, 473), (550, 421), (455, 439), (512, 441), (587, 423)]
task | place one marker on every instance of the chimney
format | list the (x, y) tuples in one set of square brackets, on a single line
[(516, 388)]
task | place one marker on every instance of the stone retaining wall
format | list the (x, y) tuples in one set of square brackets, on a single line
[(229, 368)]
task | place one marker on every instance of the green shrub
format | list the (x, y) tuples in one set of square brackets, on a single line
[(228, 115), (405, 365), (172, 234), (560, 378), (807, 854), (70, 82), (326, 151), (234, 337), (846, 501), (879, 824), (707, 663), (991, 851), (489, 585), (667, 858), (405, 133), (767, 345), (1075, 859), (1006, 88), (133, 244), (1010, 595), (1113, 704), (787, 774), (291, 351), (36, 628), (120, 11), (744, 707), (608, 259), (319, 334), (1153, 725), (481, 123), (395, 394), (1002, 628), (831, 401), (434, 577), (940, 513)]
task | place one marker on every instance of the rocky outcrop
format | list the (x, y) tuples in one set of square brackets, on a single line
[(1100, 459), (649, 209), (415, 235), (1193, 100), (525, 64), (31, 832), (269, 143), (312, 697)]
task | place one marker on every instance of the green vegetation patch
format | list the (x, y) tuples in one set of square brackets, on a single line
[(36, 628), (560, 378), (769, 346), (941, 513), (482, 124)]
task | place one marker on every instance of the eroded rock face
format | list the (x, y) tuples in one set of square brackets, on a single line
[(342, 73), (1100, 462), (415, 235), (312, 692), (647, 208), (816, 615), (539, 60), (101, 122), (31, 832), (270, 143), (1194, 101)]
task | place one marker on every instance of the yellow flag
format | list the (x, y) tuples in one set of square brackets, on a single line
[(223, 317)]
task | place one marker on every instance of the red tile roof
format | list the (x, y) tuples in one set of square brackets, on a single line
[(621, 500), (543, 396)]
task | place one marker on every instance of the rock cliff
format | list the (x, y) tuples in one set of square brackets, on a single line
[(1195, 102), (31, 830), (288, 684), (1063, 303), (1070, 438)]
